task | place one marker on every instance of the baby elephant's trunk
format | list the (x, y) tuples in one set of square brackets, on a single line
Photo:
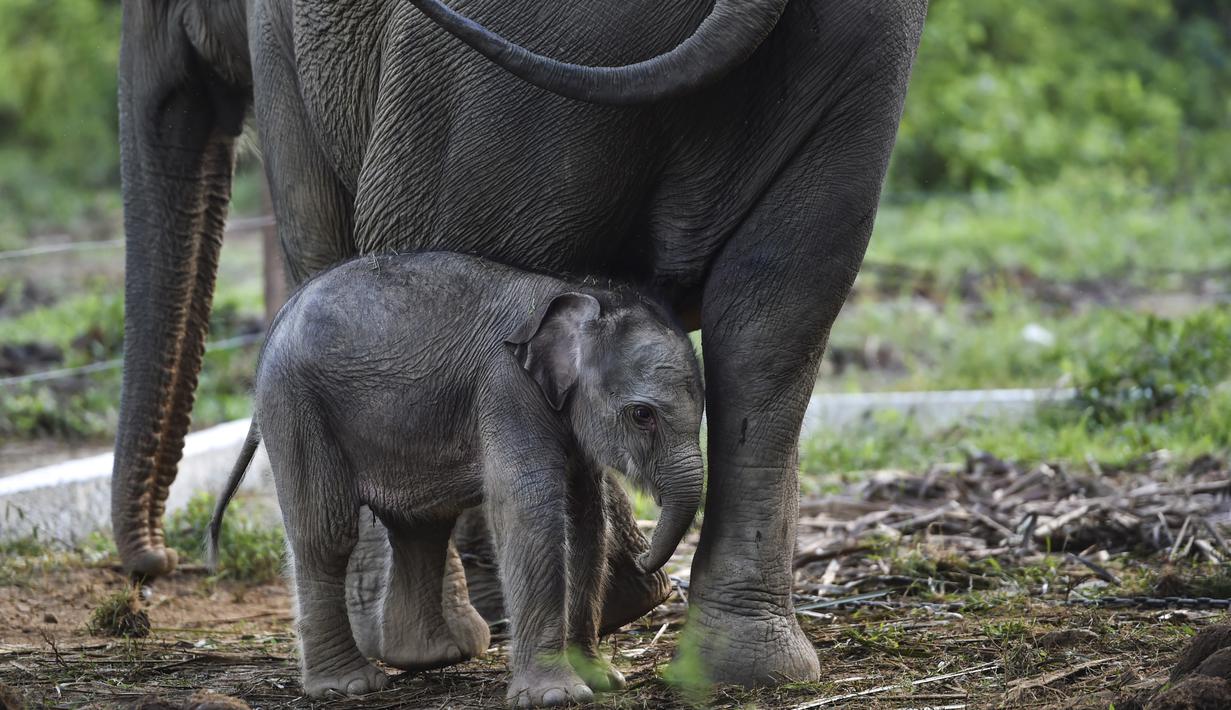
[(679, 487)]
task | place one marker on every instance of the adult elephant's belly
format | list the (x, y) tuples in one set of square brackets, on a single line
[(464, 157), (542, 195)]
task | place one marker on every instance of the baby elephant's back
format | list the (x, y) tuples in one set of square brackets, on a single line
[(415, 315)]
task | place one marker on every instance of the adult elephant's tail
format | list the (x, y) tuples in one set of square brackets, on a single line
[(725, 38)]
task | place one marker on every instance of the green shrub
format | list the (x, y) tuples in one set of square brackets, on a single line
[(249, 550), (1173, 363)]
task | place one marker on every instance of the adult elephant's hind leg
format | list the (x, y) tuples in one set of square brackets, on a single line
[(770, 300), (312, 207)]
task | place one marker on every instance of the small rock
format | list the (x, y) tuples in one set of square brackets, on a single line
[(1063, 638), (50, 618), (1038, 335), (9, 699)]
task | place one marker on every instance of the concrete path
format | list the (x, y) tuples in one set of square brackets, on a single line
[(67, 501)]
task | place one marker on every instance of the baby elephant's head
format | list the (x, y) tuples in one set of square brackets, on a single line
[(629, 383)]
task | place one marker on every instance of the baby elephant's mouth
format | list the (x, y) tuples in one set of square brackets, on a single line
[(633, 476)]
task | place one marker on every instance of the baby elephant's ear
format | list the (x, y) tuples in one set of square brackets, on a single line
[(549, 344)]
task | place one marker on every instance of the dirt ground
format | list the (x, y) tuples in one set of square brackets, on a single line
[(237, 640), (969, 587)]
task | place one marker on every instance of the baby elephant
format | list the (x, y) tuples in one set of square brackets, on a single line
[(421, 385)]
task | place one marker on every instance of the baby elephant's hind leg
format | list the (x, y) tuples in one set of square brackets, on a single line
[(321, 525), (427, 619)]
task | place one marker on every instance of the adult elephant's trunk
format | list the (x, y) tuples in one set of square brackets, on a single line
[(679, 487), (178, 123), (727, 36)]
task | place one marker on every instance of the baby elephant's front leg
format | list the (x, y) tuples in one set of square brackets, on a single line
[(528, 512)]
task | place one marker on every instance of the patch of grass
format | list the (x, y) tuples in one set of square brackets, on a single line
[(26, 546), (120, 614), (249, 550), (1180, 579), (1058, 435), (1080, 227), (22, 557), (87, 407), (1008, 630), (944, 570)]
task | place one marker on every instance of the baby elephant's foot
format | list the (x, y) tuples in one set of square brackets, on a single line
[(598, 673), (544, 687), (468, 629), (359, 680), (435, 650)]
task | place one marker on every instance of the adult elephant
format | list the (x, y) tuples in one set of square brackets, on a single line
[(736, 172)]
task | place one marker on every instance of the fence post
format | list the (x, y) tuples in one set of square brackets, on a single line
[(271, 254)]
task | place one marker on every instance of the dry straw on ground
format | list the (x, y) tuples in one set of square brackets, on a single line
[(958, 587)]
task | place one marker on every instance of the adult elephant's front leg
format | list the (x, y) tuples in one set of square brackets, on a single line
[(770, 300)]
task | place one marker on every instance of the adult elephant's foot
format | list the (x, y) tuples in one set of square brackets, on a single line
[(751, 651), (426, 652)]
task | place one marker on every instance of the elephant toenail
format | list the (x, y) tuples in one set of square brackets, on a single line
[(555, 696)]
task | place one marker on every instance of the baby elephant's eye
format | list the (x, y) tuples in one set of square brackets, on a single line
[(643, 416)]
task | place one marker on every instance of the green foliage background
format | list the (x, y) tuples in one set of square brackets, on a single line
[(1007, 92), (58, 112), (1004, 93)]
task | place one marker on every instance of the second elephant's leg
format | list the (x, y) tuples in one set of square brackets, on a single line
[(366, 577), (424, 582), (629, 594)]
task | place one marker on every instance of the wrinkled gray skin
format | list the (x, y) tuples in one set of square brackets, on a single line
[(422, 385), (735, 176)]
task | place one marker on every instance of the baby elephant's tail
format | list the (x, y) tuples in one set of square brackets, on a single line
[(224, 499)]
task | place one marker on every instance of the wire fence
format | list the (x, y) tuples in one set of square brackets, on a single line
[(64, 373), (252, 224), (242, 225)]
